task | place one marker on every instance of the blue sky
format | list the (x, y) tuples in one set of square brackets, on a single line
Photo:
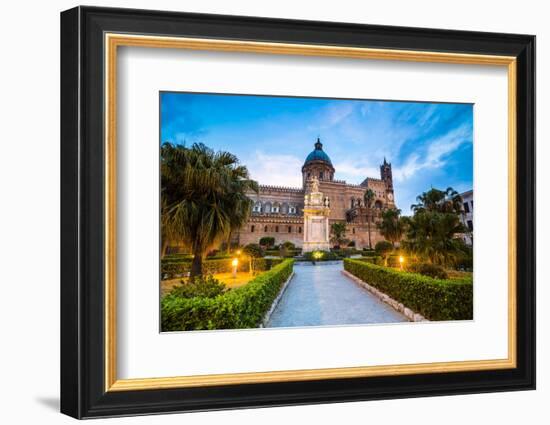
[(428, 144)]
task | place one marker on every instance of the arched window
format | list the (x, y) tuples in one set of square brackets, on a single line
[(267, 207), (321, 174), (265, 229), (284, 208), (353, 230), (292, 210), (275, 208), (299, 229), (257, 207), (352, 202), (276, 229), (252, 229), (289, 229), (378, 204)]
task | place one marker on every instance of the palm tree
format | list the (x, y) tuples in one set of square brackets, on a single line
[(338, 231), (431, 235), (436, 222), (439, 200), (369, 198), (203, 197), (392, 225)]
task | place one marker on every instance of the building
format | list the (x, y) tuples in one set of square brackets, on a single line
[(296, 214), (467, 216)]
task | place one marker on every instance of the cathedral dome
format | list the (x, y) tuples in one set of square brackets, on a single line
[(318, 154)]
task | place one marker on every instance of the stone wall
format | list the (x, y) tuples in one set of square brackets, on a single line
[(285, 226), (277, 226)]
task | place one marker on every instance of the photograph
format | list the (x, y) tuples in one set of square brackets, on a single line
[(281, 212)]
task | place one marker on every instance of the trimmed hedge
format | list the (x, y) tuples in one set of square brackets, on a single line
[(327, 256), (427, 269), (346, 252), (238, 308), (374, 259), (170, 270), (435, 299), (264, 264)]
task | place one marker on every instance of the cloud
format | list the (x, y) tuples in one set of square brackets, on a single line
[(349, 169), (436, 154), (333, 115), (275, 170)]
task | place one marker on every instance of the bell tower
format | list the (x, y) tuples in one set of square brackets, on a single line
[(386, 176)]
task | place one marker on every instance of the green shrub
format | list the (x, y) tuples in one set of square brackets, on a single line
[(267, 241), (264, 264), (393, 261), (287, 250), (435, 299), (209, 266), (325, 256), (383, 248), (372, 259), (288, 245), (253, 250), (428, 269), (238, 308), (346, 252), (369, 253), (207, 287)]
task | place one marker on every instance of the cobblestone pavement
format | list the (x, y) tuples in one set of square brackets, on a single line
[(322, 295)]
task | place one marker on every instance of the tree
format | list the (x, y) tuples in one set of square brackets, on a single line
[(445, 201), (338, 234), (267, 241), (433, 228), (369, 199), (392, 225), (383, 248), (252, 251), (203, 197)]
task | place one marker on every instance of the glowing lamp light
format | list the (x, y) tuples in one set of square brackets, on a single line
[(401, 259), (238, 252), (317, 255), (235, 263)]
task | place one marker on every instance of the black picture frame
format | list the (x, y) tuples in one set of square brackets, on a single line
[(82, 212)]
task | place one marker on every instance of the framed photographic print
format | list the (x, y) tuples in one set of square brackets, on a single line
[(261, 212)]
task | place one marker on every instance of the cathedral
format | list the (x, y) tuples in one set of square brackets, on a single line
[(304, 215)]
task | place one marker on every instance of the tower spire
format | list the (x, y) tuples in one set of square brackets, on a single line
[(318, 144)]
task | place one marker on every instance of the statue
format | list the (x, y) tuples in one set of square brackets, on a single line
[(314, 185)]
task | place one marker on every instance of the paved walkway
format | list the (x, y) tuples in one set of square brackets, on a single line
[(322, 295)]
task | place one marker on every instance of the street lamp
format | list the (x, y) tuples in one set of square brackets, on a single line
[(235, 263)]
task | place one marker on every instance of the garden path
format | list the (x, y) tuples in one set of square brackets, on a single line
[(321, 295)]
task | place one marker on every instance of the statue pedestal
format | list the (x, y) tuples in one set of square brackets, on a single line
[(316, 228)]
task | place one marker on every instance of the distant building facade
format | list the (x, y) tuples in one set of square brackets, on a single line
[(467, 216), (278, 212)]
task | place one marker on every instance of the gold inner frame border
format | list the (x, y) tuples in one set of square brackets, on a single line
[(113, 40)]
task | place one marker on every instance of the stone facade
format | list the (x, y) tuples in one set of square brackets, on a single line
[(279, 211), (467, 216)]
